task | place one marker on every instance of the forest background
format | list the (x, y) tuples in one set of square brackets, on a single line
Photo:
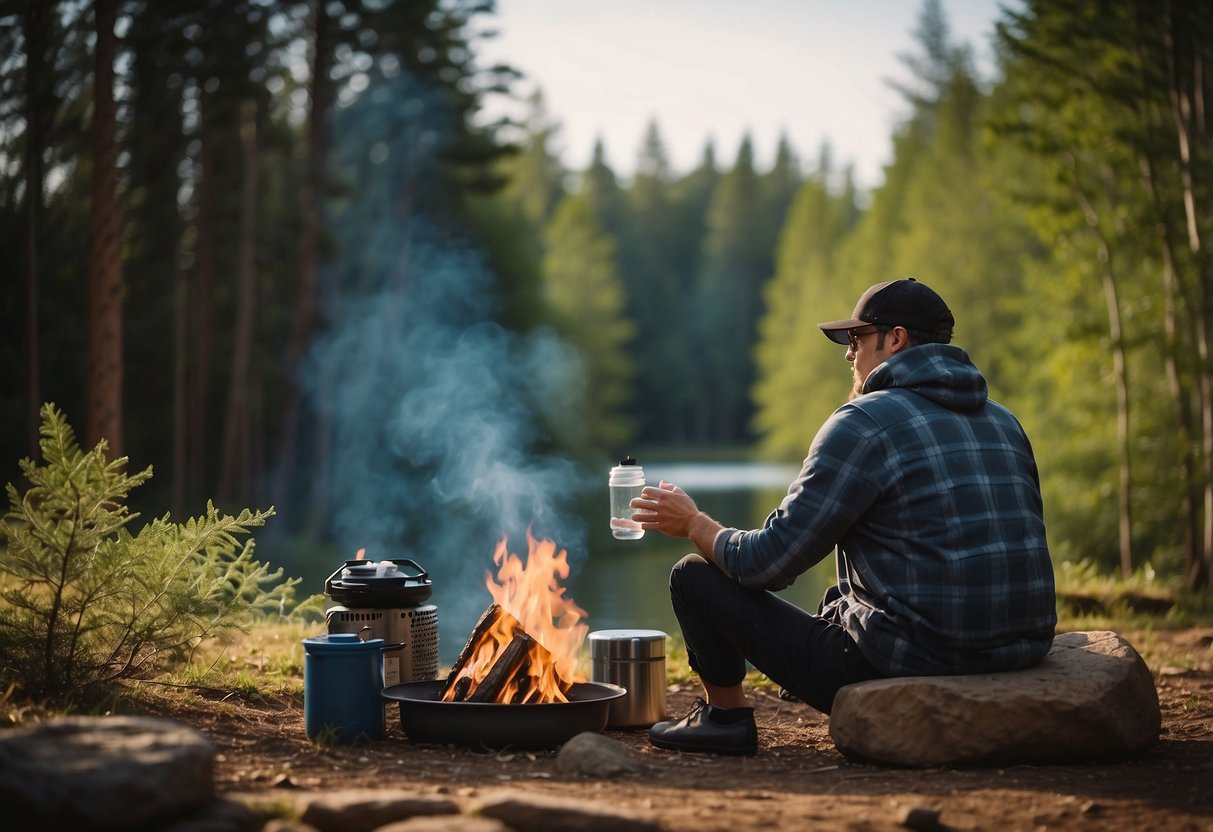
[(273, 249)]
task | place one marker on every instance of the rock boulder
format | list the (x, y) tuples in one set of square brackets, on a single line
[(118, 772), (1091, 699)]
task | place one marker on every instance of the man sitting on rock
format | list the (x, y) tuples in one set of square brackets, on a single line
[(929, 493)]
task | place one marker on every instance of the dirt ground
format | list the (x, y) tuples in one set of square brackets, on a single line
[(797, 781)]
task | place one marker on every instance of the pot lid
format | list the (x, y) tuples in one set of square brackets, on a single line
[(385, 583), (341, 643), (627, 644)]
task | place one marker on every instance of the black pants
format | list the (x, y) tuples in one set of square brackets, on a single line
[(725, 624)]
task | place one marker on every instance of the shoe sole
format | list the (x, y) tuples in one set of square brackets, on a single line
[(706, 749)]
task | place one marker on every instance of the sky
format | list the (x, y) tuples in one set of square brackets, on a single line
[(813, 70)]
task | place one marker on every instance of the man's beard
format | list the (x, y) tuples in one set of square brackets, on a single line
[(856, 386)]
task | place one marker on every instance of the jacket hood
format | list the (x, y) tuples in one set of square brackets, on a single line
[(941, 373)]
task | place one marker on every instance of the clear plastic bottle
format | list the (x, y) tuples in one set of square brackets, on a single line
[(626, 481)]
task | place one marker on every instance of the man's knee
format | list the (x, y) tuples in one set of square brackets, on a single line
[(688, 569), (695, 580)]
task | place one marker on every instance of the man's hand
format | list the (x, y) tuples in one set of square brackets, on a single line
[(670, 510)]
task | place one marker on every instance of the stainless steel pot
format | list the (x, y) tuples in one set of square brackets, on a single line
[(634, 660), (426, 718), (386, 599)]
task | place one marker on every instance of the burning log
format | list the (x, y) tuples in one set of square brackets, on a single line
[(524, 681), (461, 687), (488, 619), (496, 663), (509, 661)]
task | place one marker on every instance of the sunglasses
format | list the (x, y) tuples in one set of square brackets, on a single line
[(853, 335)]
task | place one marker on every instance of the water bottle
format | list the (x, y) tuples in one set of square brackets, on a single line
[(626, 482)]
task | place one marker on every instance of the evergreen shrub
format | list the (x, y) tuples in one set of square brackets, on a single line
[(84, 603)]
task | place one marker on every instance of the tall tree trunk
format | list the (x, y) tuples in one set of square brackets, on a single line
[(1120, 370), (1179, 332), (233, 468), (200, 304), (1174, 297), (38, 96), (180, 391), (312, 205), (105, 254), (1187, 95)]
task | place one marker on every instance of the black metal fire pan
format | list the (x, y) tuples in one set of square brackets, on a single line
[(426, 718)]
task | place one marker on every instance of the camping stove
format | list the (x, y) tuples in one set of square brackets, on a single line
[(379, 599)]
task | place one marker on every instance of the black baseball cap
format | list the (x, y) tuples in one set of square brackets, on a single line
[(906, 303)]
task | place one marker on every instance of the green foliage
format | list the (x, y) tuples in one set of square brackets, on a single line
[(85, 603), (727, 301), (656, 277), (724, 270), (795, 396), (587, 297), (1109, 301)]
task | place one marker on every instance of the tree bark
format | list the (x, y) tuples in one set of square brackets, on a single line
[(105, 255), (180, 392), (1174, 297), (1120, 371), (200, 305), (1179, 331), (234, 467), (39, 94), (1187, 97), (312, 204)]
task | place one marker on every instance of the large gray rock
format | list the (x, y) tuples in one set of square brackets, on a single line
[(1091, 699), (358, 810), (101, 773), (594, 755), (544, 813), (447, 823)]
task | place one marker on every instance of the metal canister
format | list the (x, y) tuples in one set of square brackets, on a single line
[(342, 683), (634, 660)]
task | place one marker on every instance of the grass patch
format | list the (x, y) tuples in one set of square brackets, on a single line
[(1088, 599)]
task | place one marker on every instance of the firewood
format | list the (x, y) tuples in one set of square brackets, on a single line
[(487, 619), (510, 664), (509, 659), (522, 679), (462, 685)]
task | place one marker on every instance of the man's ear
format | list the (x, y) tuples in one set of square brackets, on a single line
[(898, 339)]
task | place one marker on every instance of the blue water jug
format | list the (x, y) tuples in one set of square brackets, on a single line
[(342, 682)]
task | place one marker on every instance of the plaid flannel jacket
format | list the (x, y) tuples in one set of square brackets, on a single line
[(930, 494)]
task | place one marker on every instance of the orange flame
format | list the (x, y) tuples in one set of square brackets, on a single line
[(361, 554), (533, 602), (533, 595)]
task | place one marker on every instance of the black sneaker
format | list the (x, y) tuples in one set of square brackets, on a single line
[(709, 730)]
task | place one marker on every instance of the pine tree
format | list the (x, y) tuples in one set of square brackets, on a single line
[(656, 301), (534, 175), (802, 377), (587, 298), (1101, 130), (779, 187), (85, 603), (728, 300)]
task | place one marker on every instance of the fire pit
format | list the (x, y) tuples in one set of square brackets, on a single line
[(515, 683), (426, 718)]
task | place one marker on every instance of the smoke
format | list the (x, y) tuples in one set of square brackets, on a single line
[(431, 405)]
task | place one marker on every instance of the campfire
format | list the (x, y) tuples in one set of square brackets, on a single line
[(524, 647)]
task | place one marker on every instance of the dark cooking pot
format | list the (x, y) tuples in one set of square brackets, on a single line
[(362, 584), (426, 718)]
